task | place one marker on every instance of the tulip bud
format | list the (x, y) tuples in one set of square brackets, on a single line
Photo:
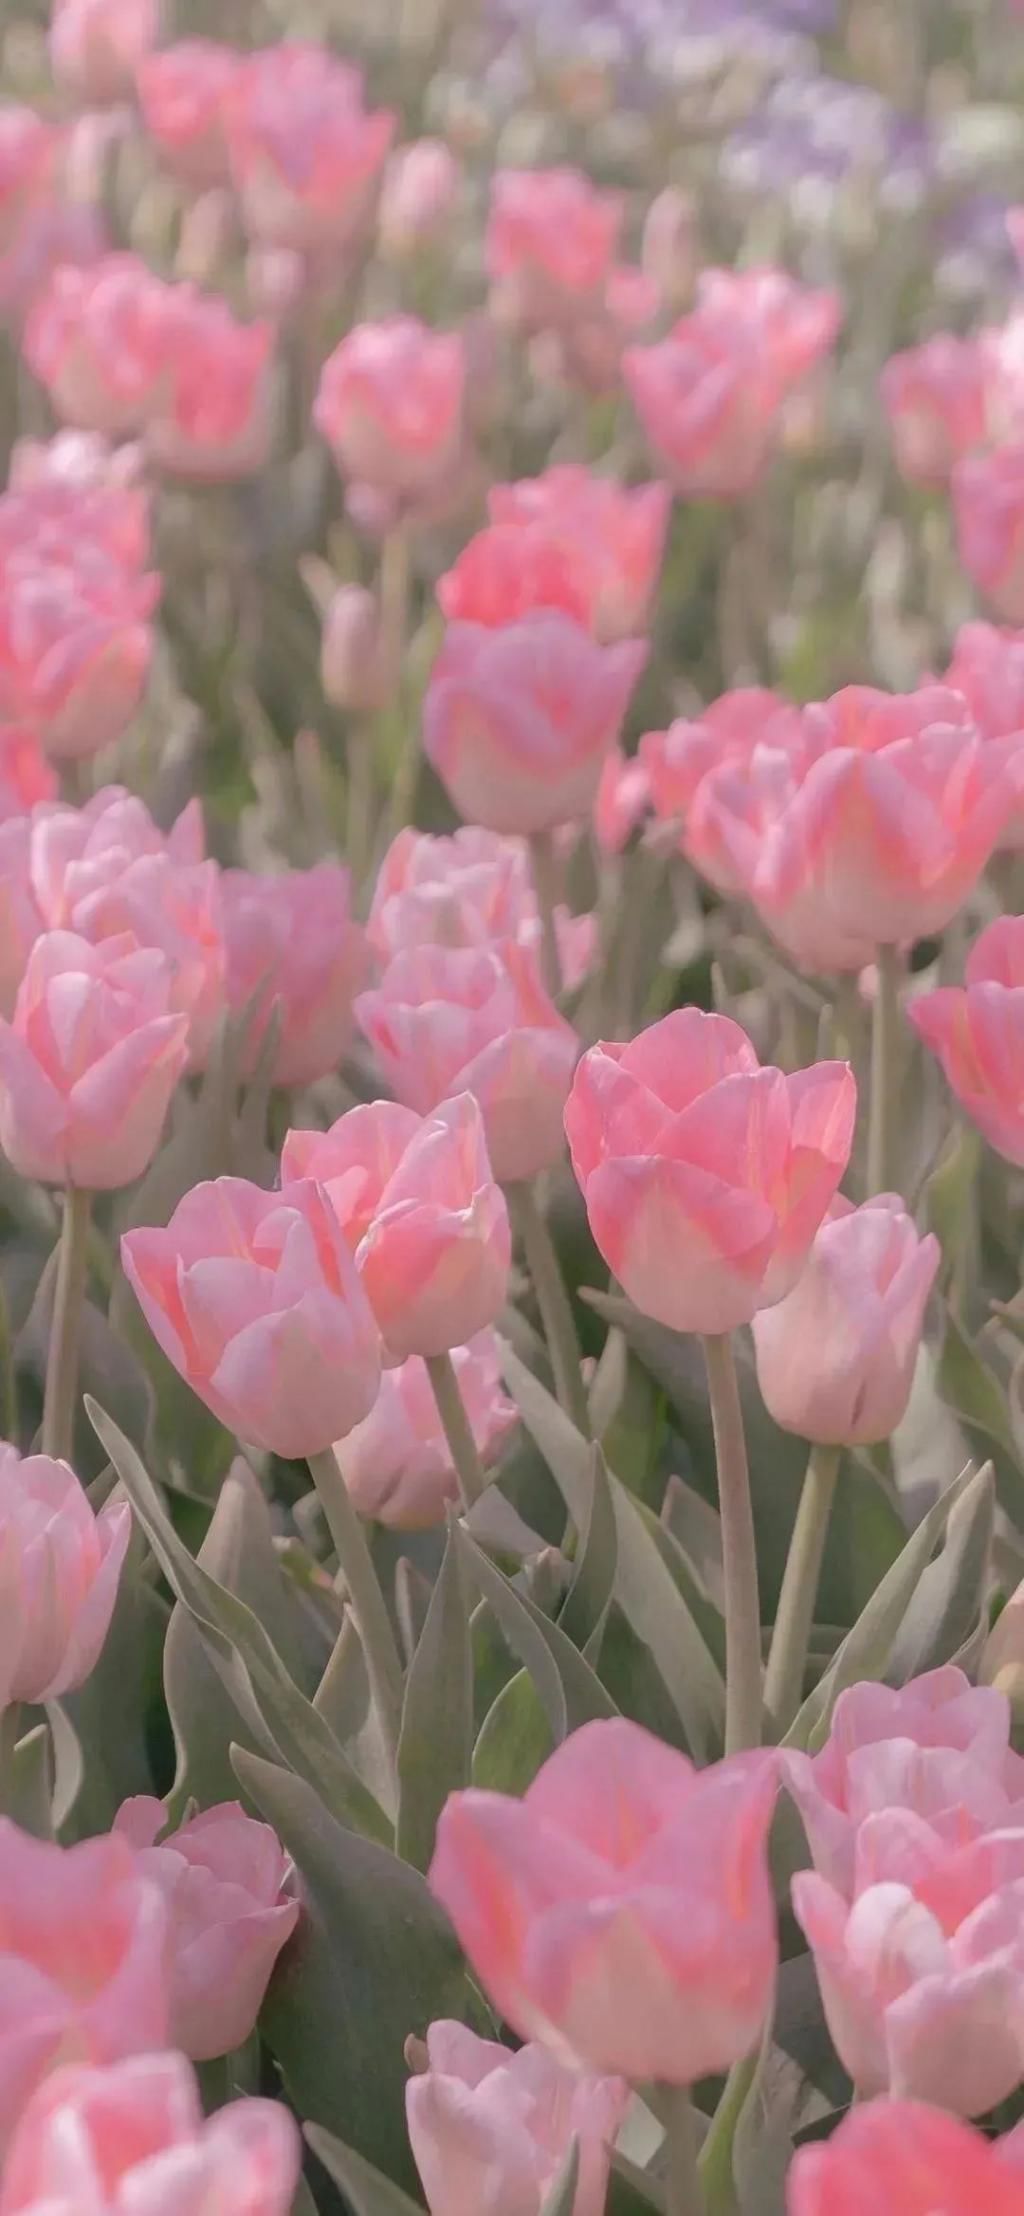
[(1002, 1660), (668, 251), (353, 665), (421, 185)]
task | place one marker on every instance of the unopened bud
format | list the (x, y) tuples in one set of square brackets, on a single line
[(669, 249), (352, 662), (420, 189)]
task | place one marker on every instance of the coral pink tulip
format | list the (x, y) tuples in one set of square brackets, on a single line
[(398, 1463), (551, 242), (614, 534), (988, 499), (97, 338), (622, 1911), (472, 889), (82, 1938), (89, 1061), (132, 2138), (419, 1208), (922, 1974), (490, 2129), (418, 196), (96, 46), (182, 92), (476, 1020), (60, 1569), (215, 418), (860, 1303), (977, 1032), (902, 2158), (936, 397), (293, 944), (705, 1176), (255, 1299), (305, 154), (221, 1877), (509, 571), (938, 1746), (75, 649), (988, 668), (518, 722), (391, 405)]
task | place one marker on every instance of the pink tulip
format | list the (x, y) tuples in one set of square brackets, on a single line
[(89, 1062), (28, 151), (73, 490), (398, 1464), (476, 1020), (21, 921), (222, 1880), (518, 722), (419, 1209), (922, 1975), (182, 92), (75, 649), (977, 1032), (130, 2140), (901, 2158), (96, 46), (937, 399), (727, 733), (82, 1939), (214, 421), (356, 670), (305, 154), (97, 338), (551, 241), (175, 908), (25, 774), (938, 1746), (622, 1911), (705, 1176), (490, 2129), (76, 852), (472, 889), (988, 499), (860, 1303), (391, 404), (509, 571), (60, 1570), (254, 1298), (293, 944), (988, 668), (623, 800), (614, 533), (418, 197)]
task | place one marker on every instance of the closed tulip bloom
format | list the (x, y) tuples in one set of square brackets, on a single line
[(616, 534), (96, 46), (518, 722), (939, 1746), (222, 1879), (706, 1177), (97, 338), (471, 889), (621, 1912), (476, 1020), (860, 1302), (988, 501), (730, 731), (922, 1974), (398, 1463), (76, 644), (490, 2129), (356, 670), (936, 397), (902, 2158), (391, 405), (292, 942), (417, 1203), (254, 1298), (305, 153), (82, 1938), (89, 1062), (977, 1032), (551, 242), (60, 1569), (215, 420), (182, 92), (418, 196), (132, 2138)]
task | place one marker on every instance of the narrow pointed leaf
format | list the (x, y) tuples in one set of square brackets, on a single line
[(435, 1748)]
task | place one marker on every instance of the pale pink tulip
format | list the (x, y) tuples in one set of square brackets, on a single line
[(75, 851), (96, 46), (76, 644), (255, 1299), (622, 1911), (419, 1208), (472, 889), (902, 2158), (398, 1464), (82, 1939), (89, 1061), (614, 533), (551, 242), (98, 339), (518, 722), (476, 1020), (391, 405), (294, 948), (988, 668), (305, 153), (938, 1746), (418, 197), (75, 491), (490, 2129), (169, 905), (705, 1176), (977, 1032), (936, 397), (59, 1570), (182, 92), (356, 670), (131, 2140), (988, 500), (222, 1878)]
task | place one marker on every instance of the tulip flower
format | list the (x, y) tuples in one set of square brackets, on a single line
[(97, 338), (937, 398), (391, 405), (418, 196), (221, 1877), (902, 2158), (399, 1466), (75, 649), (988, 502), (61, 1567), (490, 2129), (354, 665), (96, 46), (182, 93), (472, 889), (612, 539), (293, 946), (101, 2142), (622, 1911), (622, 802), (551, 241), (213, 420), (977, 1032), (21, 921), (305, 154), (26, 776)]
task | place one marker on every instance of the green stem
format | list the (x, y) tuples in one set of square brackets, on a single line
[(715, 2166), (383, 1666), (784, 1678), (683, 2194), (61, 1394), (885, 1034), (739, 1553), (554, 1304), (457, 1429), (545, 883)]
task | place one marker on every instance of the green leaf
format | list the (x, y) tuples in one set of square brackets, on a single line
[(28, 1783), (975, 1395), (570, 1692), (951, 1597), (435, 1747), (373, 1960), (275, 1710), (560, 2199), (515, 1739), (585, 1608), (366, 2190), (111, 1715)]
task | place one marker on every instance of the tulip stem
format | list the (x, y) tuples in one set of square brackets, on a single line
[(739, 1552), (716, 2155), (61, 1394), (683, 2194), (545, 885), (554, 1304), (457, 1428), (380, 1648), (885, 1035), (784, 1678)]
